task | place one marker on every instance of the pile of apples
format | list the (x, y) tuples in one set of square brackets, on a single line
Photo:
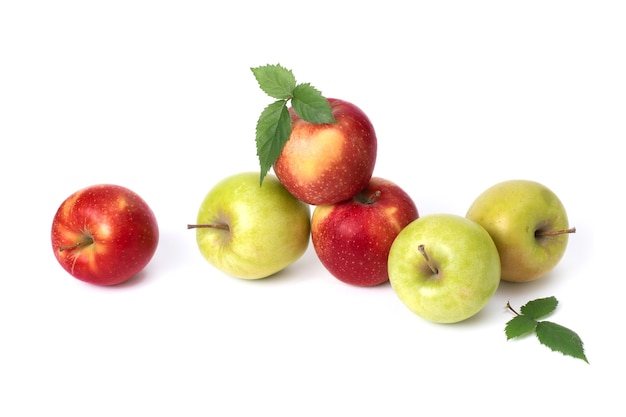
[(365, 230)]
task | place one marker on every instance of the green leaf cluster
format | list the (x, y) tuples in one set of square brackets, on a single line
[(552, 335), (274, 125)]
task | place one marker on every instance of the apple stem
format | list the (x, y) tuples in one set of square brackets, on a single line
[(372, 198), (508, 305), (204, 226), (81, 243), (432, 267), (555, 232)]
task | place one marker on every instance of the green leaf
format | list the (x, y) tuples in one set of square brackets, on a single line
[(310, 105), (560, 339), (274, 125), (540, 307), (519, 326), (277, 81), (272, 132)]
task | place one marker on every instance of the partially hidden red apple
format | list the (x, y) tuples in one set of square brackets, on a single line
[(104, 234), (328, 163), (352, 239)]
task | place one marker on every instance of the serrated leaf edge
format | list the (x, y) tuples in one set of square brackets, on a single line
[(578, 341), (523, 334), (271, 85), (529, 305), (279, 134)]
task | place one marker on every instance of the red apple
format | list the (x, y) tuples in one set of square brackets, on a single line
[(352, 239), (328, 163), (104, 234)]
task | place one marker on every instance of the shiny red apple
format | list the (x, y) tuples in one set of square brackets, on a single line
[(352, 238), (104, 234), (328, 163)]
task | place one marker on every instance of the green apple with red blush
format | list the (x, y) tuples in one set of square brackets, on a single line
[(529, 225)]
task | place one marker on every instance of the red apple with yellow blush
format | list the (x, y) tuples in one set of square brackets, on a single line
[(325, 163), (104, 234)]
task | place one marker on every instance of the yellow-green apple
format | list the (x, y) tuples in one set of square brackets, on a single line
[(352, 238), (529, 225), (328, 163), (104, 234), (443, 267), (250, 231)]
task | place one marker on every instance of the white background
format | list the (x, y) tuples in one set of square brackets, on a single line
[(158, 96)]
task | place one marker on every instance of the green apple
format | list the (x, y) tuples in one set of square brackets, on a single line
[(529, 225), (444, 267), (251, 231)]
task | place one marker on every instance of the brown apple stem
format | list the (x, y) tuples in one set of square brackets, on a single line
[(81, 243), (206, 226), (432, 266), (508, 305), (555, 232), (372, 198)]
